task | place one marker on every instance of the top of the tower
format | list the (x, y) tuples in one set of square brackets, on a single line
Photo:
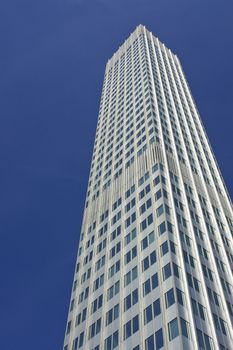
[(140, 29)]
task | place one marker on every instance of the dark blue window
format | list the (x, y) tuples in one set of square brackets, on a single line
[(156, 307), (170, 297), (150, 344), (148, 314), (159, 339), (166, 271), (154, 281)]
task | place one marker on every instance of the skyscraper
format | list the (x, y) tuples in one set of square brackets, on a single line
[(154, 265)]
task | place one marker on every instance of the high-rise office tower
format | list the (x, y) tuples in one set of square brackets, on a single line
[(154, 266)]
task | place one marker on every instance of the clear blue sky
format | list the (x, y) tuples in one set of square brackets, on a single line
[(53, 55)]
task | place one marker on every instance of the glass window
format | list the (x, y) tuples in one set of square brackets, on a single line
[(148, 314), (153, 258), (116, 311), (151, 237), (144, 243), (136, 347), (127, 303), (98, 326), (200, 339), (184, 327), (170, 227), (176, 270), (173, 329), (68, 327), (156, 307), (162, 228), (135, 324), (133, 233), (158, 195), (166, 271), (117, 287), (223, 326), (75, 344), (127, 330), (135, 296), (164, 248), (196, 284), (115, 340), (169, 298), (150, 344), (216, 321), (127, 257), (143, 225), (131, 326), (156, 181), (194, 307), (201, 311), (216, 298), (127, 278), (154, 281), (159, 210), (150, 219), (110, 293), (134, 273), (142, 209), (108, 343), (208, 342), (190, 281), (172, 247), (145, 264), (81, 338), (109, 317), (159, 339), (179, 295), (146, 287)]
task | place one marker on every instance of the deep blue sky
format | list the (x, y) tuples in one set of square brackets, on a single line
[(53, 55)]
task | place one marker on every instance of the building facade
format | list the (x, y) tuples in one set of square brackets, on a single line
[(155, 258)]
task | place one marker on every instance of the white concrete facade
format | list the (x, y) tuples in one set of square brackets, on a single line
[(155, 258)]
